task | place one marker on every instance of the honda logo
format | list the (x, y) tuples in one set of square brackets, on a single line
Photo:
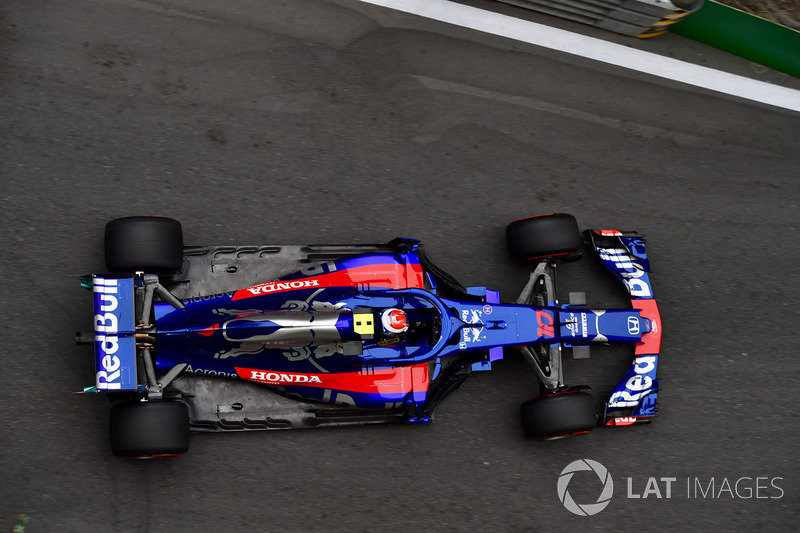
[(633, 325)]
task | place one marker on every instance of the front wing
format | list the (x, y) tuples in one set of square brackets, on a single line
[(633, 399)]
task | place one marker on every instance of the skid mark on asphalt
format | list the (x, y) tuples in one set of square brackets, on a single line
[(640, 130), (150, 6), (598, 50)]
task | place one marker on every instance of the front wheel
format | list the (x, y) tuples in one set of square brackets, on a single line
[(149, 429), (558, 415)]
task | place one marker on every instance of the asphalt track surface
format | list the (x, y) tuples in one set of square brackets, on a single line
[(334, 121)]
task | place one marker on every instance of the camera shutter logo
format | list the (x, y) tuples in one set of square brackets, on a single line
[(586, 509)]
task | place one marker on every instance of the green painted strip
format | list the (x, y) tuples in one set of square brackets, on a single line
[(753, 38)]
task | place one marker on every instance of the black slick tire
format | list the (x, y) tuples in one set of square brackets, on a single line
[(148, 429), (558, 415), (147, 244), (555, 236)]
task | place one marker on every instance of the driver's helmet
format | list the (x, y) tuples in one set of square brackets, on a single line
[(394, 320)]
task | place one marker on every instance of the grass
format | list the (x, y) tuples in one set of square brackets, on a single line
[(19, 527)]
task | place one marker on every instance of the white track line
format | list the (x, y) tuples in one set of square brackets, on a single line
[(597, 49)]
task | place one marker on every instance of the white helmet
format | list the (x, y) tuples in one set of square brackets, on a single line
[(394, 320)]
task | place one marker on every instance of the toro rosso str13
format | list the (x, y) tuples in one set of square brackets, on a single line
[(226, 338)]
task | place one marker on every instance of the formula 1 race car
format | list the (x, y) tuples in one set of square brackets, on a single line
[(225, 338)]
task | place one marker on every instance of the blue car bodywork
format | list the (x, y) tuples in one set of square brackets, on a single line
[(308, 348)]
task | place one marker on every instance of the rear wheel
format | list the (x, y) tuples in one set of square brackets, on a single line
[(147, 244), (148, 429), (558, 415), (554, 236)]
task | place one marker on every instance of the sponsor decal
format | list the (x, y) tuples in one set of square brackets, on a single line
[(471, 335), (280, 378), (633, 325), (393, 384), (106, 327), (637, 385), (628, 269), (280, 286), (207, 297), (572, 324), (210, 372), (471, 316), (389, 342), (388, 275)]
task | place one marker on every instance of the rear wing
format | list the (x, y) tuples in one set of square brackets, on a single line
[(114, 334), (634, 397)]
